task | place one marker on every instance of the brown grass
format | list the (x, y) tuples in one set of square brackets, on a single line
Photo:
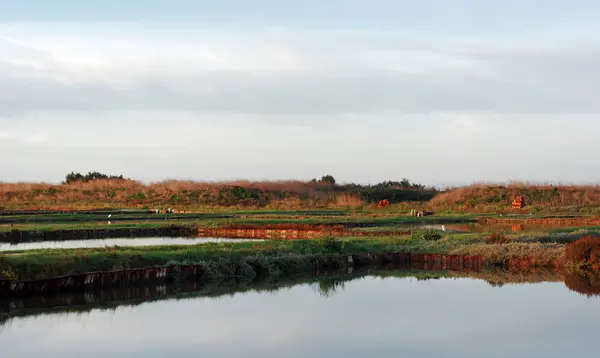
[(348, 200), (480, 196), (584, 251), (517, 254), (182, 194)]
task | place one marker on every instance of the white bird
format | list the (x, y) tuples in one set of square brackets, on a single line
[(109, 215), (444, 228)]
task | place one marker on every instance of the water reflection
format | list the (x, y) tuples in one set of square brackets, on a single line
[(326, 284), (327, 287), (76, 244), (587, 284), (515, 227), (372, 315)]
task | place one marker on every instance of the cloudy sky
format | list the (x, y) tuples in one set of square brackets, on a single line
[(441, 92)]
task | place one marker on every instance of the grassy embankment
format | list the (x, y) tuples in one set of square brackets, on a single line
[(539, 248), (121, 193), (580, 199), (285, 256), (272, 203), (53, 222), (267, 197)]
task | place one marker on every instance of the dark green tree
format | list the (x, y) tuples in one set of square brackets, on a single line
[(328, 179)]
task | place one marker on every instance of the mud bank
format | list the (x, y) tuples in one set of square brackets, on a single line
[(202, 272), (18, 236)]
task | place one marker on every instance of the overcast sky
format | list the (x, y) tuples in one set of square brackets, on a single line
[(441, 92)]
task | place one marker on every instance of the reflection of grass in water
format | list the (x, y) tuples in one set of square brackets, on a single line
[(327, 284), (587, 284)]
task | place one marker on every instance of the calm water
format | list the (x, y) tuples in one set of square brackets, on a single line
[(487, 228), (73, 244), (367, 317)]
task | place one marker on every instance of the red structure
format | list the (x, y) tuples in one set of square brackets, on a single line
[(518, 202), (383, 204)]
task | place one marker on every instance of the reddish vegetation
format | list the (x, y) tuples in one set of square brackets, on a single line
[(482, 196), (584, 251)]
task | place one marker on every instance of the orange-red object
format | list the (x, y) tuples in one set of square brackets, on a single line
[(383, 204)]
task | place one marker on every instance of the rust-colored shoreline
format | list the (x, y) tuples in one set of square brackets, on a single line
[(291, 233)]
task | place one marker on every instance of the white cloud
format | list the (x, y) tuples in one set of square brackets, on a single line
[(257, 70), (243, 101)]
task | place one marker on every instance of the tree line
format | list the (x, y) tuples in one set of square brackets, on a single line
[(78, 177), (402, 184)]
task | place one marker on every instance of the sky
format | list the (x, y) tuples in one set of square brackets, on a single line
[(440, 92)]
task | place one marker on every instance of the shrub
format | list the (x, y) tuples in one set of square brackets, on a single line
[(78, 177), (8, 274), (584, 251), (259, 263), (429, 235), (245, 271), (303, 247), (497, 238)]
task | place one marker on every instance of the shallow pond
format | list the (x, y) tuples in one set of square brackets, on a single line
[(365, 317), (76, 244), (486, 228)]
